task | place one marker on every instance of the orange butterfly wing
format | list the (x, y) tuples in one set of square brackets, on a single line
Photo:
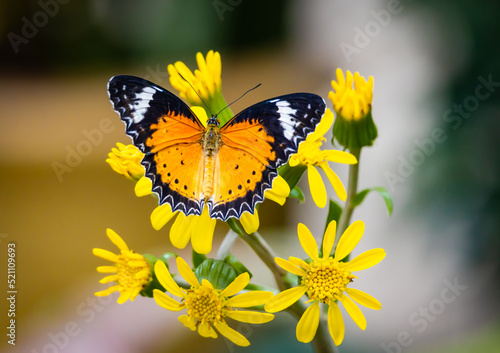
[(254, 144), (169, 134)]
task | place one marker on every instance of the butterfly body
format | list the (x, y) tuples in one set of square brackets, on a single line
[(227, 168)]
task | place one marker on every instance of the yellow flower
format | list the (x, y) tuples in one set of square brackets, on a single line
[(351, 103), (200, 229), (126, 160), (311, 155), (354, 127), (202, 87), (325, 281), (131, 271), (208, 307)]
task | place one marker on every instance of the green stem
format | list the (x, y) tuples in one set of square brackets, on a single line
[(352, 190)]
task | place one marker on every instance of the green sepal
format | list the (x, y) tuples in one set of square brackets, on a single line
[(147, 291), (296, 193), (197, 258), (292, 175), (235, 225), (360, 196), (217, 106), (354, 133), (236, 265), (217, 272)]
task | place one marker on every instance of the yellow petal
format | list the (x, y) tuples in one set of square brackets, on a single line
[(307, 241), (106, 255), (201, 114), (251, 317), (336, 324), (237, 285), (107, 269), (317, 187), (250, 222), (284, 299), (299, 262), (116, 239), (180, 232), (161, 215), (339, 156), (324, 125), (364, 299), (231, 334), (329, 239), (249, 299), (334, 180), (166, 302), (124, 296), (308, 323), (206, 330), (290, 267), (108, 291), (186, 272), (166, 280), (353, 311), (279, 192), (349, 240), (366, 260), (203, 232), (188, 321), (108, 279), (143, 187)]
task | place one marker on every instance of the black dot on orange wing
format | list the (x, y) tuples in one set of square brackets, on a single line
[(239, 187), (182, 162), (176, 181), (260, 129), (168, 174), (253, 172), (230, 192), (248, 181), (185, 187), (164, 165), (237, 166)]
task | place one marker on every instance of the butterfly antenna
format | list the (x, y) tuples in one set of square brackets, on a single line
[(190, 85), (227, 106)]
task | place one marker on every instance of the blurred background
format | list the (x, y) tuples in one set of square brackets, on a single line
[(436, 104)]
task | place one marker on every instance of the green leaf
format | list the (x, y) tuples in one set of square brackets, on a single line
[(237, 265), (197, 258), (360, 196), (296, 193), (217, 272), (334, 212), (292, 175)]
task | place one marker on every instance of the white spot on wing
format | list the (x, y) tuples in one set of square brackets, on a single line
[(287, 122), (141, 103)]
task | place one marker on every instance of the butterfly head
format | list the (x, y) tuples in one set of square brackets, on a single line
[(213, 121)]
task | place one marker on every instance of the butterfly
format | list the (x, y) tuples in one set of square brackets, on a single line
[(227, 168)]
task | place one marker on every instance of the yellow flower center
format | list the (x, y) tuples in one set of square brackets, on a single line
[(326, 280), (309, 153), (204, 304), (128, 267)]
